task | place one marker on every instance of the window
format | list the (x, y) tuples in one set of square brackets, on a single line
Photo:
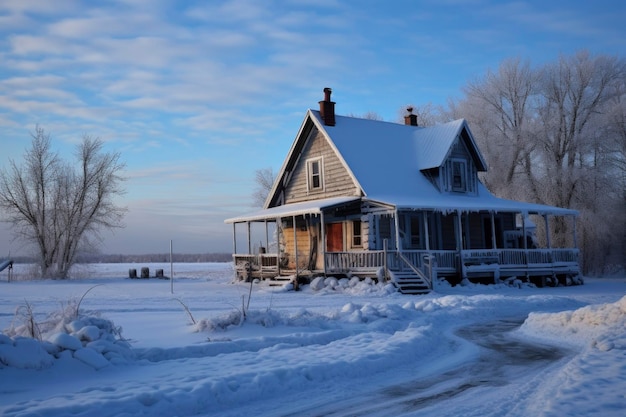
[(458, 180), (315, 180), (356, 234)]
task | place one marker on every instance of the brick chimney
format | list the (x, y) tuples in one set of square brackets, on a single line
[(410, 119), (327, 108)]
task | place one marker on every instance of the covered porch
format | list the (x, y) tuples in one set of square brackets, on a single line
[(411, 246)]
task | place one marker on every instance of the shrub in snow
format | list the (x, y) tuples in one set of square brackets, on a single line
[(317, 284), (91, 358), (60, 336), (88, 333), (233, 318), (344, 282), (380, 274), (354, 281), (331, 282), (25, 353), (65, 341)]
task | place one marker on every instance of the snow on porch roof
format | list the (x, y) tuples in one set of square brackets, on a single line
[(469, 204), (484, 201), (295, 209)]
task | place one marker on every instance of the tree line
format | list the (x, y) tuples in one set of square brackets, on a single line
[(155, 257)]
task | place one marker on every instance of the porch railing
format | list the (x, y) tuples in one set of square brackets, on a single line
[(263, 262), (446, 261), (521, 257), (354, 261)]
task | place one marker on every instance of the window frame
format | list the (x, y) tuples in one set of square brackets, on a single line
[(356, 240), (311, 176), (462, 164)]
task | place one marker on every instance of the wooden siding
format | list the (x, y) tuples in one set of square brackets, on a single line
[(337, 181), (304, 247)]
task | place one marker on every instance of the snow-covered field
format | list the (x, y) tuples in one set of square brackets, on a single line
[(344, 349)]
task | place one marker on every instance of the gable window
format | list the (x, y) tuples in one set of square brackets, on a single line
[(315, 179), (458, 179)]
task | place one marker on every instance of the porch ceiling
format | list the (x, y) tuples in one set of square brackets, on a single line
[(295, 209)]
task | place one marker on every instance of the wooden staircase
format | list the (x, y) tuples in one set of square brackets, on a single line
[(409, 282)]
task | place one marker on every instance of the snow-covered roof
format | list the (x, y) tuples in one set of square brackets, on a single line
[(295, 209), (386, 159), (485, 201)]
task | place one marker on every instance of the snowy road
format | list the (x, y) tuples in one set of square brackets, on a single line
[(502, 364)]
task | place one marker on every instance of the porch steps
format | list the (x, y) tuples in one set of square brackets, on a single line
[(408, 282)]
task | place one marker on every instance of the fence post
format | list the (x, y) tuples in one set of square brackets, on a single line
[(385, 243)]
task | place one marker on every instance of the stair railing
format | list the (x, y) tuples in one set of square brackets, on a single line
[(416, 270)]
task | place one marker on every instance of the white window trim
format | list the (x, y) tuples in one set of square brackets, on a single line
[(309, 174), (351, 236)]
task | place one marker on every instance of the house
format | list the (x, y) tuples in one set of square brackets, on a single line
[(396, 202)]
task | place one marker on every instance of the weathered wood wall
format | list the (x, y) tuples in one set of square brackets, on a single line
[(337, 181)]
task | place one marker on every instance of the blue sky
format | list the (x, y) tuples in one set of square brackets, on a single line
[(198, 95)]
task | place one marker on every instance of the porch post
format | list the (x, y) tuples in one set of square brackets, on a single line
[(547, 224), (267, 238), (524, 231), (426, 234), (574, 229), (234, 237), (459, 243), (459, 233), (249, 240), (295, 245), (397, 225), (323, 235), (277, 220), (493, 231)]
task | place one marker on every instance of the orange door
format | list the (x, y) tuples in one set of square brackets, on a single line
[(334, 237)]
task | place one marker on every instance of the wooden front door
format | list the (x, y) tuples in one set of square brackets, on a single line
[(334, 237)]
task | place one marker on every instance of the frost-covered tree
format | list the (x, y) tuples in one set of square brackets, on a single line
[(60, 207), (499, 108), (551, 135)]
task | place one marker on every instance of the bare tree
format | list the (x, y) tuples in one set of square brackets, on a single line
[(499, 107), (427, 114), (551, 135), (264, 179), (370, 115), (60, 207)]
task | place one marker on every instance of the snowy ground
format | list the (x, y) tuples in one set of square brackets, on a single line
[(346, 349)]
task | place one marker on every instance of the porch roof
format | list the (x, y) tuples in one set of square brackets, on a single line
[(294, 209), (485, 201)]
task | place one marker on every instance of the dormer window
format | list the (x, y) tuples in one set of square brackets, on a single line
[(458, 180), (315, 178)]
